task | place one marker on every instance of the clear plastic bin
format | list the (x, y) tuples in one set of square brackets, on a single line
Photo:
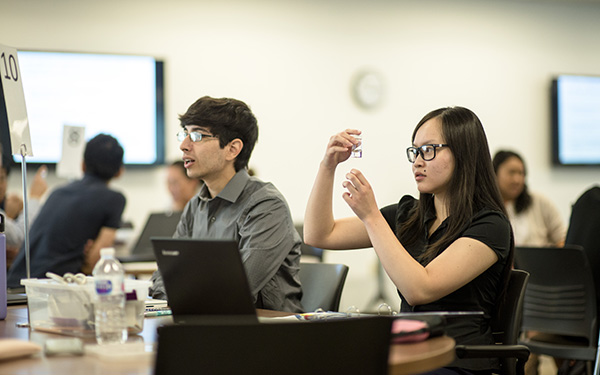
[(69, 309)]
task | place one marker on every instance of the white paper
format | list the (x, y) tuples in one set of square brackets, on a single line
[(73, 146)]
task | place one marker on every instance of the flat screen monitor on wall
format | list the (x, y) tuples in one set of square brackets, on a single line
[(120, 95), (576, 120)]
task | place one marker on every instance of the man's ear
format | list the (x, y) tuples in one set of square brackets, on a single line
[(234, 148)]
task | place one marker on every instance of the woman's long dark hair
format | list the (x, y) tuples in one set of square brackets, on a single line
[(523, 201), (472, 186)]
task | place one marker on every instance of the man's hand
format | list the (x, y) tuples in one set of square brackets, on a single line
[(11, 254), (39, 185), (13, 206)]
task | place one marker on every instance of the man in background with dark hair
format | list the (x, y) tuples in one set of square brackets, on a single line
[(217, 139), (77, 220)]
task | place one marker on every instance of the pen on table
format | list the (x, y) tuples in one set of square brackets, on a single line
[(157, 313)]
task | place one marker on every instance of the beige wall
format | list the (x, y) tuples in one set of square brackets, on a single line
[(293, 61)]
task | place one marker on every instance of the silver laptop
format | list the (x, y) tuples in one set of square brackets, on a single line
[(205, 280)]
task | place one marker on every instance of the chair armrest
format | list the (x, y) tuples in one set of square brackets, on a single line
[(519, 352)]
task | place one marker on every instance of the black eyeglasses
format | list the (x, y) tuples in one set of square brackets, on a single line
[(427, 152), (195, 136)]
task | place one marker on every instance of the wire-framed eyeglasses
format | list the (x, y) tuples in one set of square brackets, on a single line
[(427, 152), (195, 135)]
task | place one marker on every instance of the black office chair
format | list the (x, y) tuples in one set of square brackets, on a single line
[(560, 303), (308, 252), (506, 327), (322, 285), (344, 346), (584, 230)]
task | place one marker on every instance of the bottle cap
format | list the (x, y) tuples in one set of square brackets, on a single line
[(107, 251)]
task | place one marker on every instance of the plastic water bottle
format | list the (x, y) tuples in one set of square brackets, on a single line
[(109, 283)]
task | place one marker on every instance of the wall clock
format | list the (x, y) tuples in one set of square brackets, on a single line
[(367, 89)]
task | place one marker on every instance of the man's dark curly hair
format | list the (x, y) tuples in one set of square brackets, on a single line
[(103, 157)]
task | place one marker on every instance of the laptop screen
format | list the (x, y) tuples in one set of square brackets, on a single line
[(203, 277), (159, 224)]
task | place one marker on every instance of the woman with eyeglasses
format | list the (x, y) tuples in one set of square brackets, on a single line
[(449, 250)]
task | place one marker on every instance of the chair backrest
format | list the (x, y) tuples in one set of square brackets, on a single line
[(322, 285), (506, 322), (308, 250), (343, 346), (560, 297), (584, 230)]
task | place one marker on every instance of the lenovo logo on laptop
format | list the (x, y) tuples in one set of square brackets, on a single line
[(170, 253)]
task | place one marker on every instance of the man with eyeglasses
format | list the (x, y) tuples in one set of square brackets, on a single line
[(217, 139)]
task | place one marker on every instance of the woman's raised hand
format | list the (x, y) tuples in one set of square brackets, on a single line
[(359, 195), (339, 147)]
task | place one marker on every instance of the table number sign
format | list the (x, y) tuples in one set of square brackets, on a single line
[(15, 113)]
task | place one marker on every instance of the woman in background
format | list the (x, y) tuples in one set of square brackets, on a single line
[(534, 218), (449, 250)]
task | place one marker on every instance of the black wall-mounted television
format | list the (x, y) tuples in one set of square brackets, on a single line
[(120, 95), (576, 120)]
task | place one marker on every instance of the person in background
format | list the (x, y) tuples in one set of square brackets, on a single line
[(11, 206), (78, 219), (449, 250), (534, 218), (181, 187), (217, 139)]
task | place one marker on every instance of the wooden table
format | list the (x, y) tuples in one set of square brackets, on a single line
[(404, 359), (419, 357), (138, 269)]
